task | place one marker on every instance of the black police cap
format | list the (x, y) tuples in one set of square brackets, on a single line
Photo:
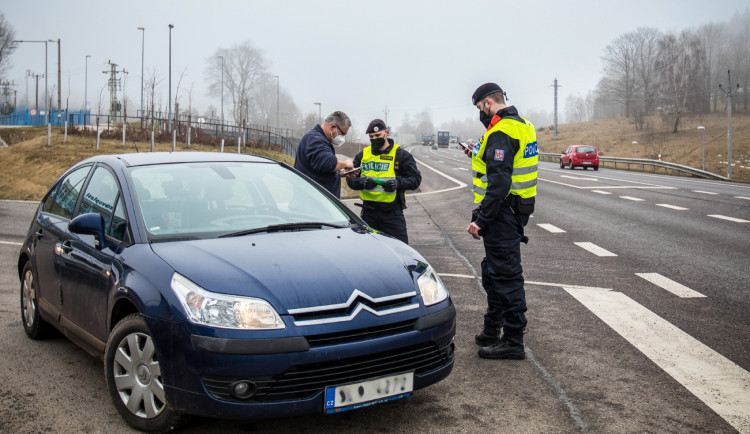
[(484, 91), (375, 126)]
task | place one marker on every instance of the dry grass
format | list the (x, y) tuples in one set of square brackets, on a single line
[(614, 138), (29, 167)]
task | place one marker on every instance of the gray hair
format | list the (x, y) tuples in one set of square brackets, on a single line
[(339, 118)]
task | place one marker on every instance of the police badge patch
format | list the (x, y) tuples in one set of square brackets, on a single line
[(499, 155)]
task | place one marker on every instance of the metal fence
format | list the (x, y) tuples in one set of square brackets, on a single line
[(159, 123)]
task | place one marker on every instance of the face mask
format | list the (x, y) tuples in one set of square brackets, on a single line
[(377, 143), (338, 140), (484, 118)]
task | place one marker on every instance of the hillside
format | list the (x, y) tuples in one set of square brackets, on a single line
[(614, 138)]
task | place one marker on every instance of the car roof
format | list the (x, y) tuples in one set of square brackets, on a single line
[(152, 158)]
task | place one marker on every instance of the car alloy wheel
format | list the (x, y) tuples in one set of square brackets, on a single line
[(134, 376), (562, 165), (33, 324)]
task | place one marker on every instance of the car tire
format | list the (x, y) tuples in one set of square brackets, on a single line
[(562, 165), (33, 324), (585, 167), (570, 166), (134, 377), (596, 168)]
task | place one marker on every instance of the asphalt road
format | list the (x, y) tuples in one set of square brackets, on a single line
[(639, 312)]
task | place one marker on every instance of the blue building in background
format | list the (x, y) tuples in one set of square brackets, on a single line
[(23, 116)]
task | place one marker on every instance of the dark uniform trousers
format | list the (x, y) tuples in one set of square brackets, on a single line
[(502, 274), (386, 219)]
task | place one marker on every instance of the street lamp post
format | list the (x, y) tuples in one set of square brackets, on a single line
[(169, 103), (636, 148), (143, 46), (222, 95), (59, 87), (320, 119), (277, 103), (703, 166)]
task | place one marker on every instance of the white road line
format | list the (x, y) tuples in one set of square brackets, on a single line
[(593, 248), (639, 187), (731, 219), (460, 184), (460, 168), (601, 192), (578, 178), (462, 276), (704, 192), (666, 205), (670, 285), (11, 243), (742, 197), (551, 228), (634, 199), (711, 377)]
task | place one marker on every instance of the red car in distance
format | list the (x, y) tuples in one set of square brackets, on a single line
[(580, 156)]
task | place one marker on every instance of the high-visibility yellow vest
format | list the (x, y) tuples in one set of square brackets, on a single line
[(381, 167), (525, 162)]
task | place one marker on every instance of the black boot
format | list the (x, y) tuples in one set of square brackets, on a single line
[(508, 347), (488, 336)]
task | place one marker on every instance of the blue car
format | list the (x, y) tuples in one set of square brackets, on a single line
[(230, 286)]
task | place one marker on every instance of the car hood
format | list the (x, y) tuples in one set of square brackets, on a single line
[(298, 269)]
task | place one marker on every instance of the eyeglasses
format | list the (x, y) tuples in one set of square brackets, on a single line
[(340, 130)]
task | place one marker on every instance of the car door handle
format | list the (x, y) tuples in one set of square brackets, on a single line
[(39, 234), (67, 247)]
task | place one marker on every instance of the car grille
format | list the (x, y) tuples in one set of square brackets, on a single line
[(361, 334), (304, 381)]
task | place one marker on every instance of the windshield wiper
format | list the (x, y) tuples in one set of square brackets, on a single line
[(283, 227)]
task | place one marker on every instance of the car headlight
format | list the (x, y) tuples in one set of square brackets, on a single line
[(222, 310), (432, 288)]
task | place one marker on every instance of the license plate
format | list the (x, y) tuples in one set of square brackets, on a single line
[(369, 392), (585, 162)]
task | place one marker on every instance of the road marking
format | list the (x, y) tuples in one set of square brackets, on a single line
[(742, 197), (634, 199), (460, 168), (711, 377), (666, 205), (578, 178), (704, 192), (731, 219), (601, 191), (593, 248), (551, 228), (460, 184), (11, 243), (462, 276), (670, 285)]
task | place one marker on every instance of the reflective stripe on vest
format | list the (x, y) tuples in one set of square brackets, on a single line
[(381, 167), (525, 162)]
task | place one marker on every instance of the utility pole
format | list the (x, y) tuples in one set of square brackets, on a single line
[(729, 95), (59, 86), (555, 85), (386, 116)]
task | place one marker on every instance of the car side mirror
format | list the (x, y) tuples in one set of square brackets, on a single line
[(89, 224)]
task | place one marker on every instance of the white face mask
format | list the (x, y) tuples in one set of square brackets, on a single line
[(338, 140)]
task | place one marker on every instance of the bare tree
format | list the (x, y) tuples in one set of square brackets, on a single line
[(647, 46), (620, 76), (244, 68), (713, 38), (7, 35), (151, 83), (680, 71)]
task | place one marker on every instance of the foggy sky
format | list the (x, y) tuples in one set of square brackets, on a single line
[(355, 56)]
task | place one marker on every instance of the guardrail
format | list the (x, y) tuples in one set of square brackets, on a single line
[(643, 162)]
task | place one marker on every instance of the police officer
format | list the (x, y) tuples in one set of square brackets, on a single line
[(386, 171), (504, 165)]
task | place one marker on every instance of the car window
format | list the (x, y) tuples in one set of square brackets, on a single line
[(100, 195), (586, 149), (119, 227), (64, 199), (209, 199)]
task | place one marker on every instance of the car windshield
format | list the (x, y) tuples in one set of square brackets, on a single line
[(585, 149), (211, 199)]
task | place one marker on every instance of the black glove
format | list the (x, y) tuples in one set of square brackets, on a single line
[(390, 185), (369, 183)]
